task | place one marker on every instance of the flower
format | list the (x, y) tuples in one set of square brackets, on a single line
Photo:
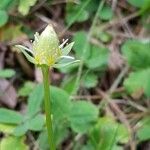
[(46, 50)]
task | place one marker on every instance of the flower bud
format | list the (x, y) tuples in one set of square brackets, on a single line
[(46, 49)]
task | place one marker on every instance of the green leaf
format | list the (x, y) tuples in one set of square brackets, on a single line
[(82, 116), (144, 5), (69, 83), (7, 73), (4, 18), (90, 80), (26, 89), (137, 54), (61, 104), (60, 133), (24, 51), (98, 58), (21, 129), (24, 6), (138, 82), (43, 141), (137, 3), (4, 4), (67, 48), (9, 116), (143, 132), (13, 143), (80, 39), (37, 123), (103, 36), (107, 133), (106, 13), (76, 13), (35, 100), (7, 128)]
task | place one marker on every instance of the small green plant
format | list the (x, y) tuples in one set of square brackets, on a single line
[(46, 52)]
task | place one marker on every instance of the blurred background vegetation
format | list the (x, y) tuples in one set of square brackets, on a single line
[(101, 103)]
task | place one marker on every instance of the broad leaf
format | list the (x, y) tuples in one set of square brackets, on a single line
[(143, 132), (24, 6), (98, 58), (35, 100), (89, 80), (4, 18), (80, 40), (26, 89), (106, 13), (61, 104), (138, 82), (82, 116), (37, 123), (7, 128), (13, 143), (107, 133), (10, 116), (137, 54)]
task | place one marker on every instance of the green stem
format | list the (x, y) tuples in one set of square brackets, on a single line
[(45, 71)]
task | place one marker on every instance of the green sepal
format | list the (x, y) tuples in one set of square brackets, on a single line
[(67, 48), (59, 65), (24, 51)]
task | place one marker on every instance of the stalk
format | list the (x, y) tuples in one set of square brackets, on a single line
[(45, 71)]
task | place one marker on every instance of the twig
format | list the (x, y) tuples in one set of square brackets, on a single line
[(92, 97), (119, 21), (119, 78)]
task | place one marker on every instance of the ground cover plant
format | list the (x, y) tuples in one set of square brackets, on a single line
[(97, 98)]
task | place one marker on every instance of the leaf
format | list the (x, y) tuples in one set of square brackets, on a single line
[(107, 133), (35, 100), (80, 39), (82, 116), (98, 58), (106, 13), (4, 18), (61, 104), (21, 129), (13, 143), (43, 140), (24, 6), (67, 48), (76, 13), (144, 5), (69, 83), (7, 128), (143, 132), (9, 116), (24, 51), (90, 80), (137, 3), (137, 52), (37, 123), (138, 81), (4, 4), (61, 132), (26, 89), (7, 73)]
